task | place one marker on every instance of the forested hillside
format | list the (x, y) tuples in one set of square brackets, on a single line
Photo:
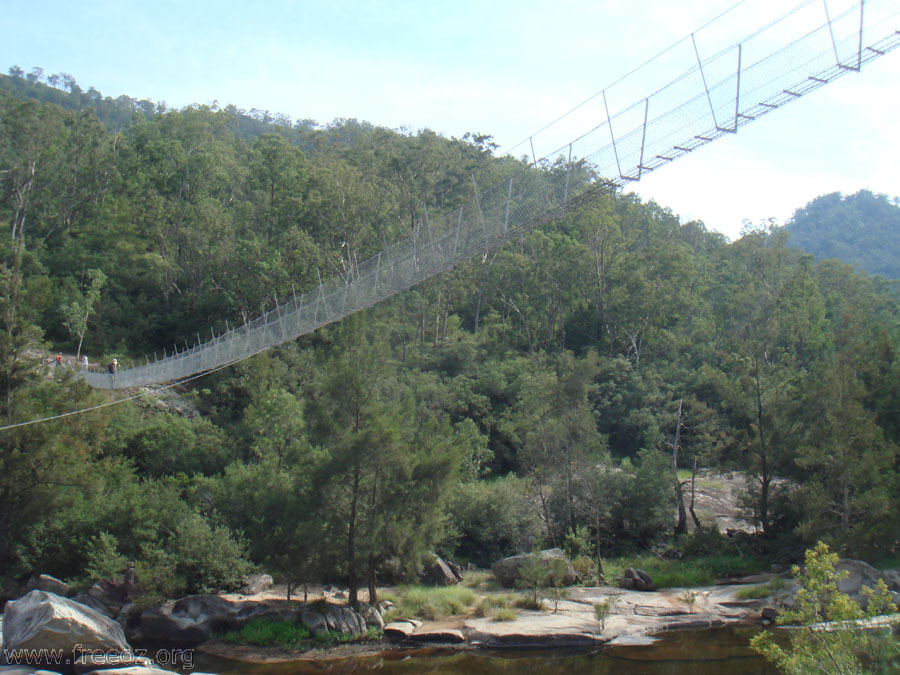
[(861, 230), (533, 396)]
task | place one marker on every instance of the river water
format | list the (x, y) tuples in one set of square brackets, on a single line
[(712, 652)]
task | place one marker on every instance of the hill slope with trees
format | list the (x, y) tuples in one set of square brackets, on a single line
[(539, 395), (861, 229)]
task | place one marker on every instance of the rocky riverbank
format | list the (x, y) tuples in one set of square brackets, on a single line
[(634, 616), (43, 620)]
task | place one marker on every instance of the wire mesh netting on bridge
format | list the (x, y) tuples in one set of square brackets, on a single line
[(700, 99)]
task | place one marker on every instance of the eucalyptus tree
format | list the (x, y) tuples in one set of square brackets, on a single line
[(775, 329), (388, 467)]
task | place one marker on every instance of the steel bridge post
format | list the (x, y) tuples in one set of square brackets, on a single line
[(377, 272), (456, 237), (611, 134), (508, 200), (319, 298)]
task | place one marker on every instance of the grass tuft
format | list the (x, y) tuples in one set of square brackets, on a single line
[(505, 615), (424, 602), (527, 602), (755, 592), (488, 603), (480, 580)]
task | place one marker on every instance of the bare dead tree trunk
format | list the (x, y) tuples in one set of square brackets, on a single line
[(477, 312), (373, 591), (694, 495), (352, 579), (437, 321), (681, 527), (764, 477), (545, 512)]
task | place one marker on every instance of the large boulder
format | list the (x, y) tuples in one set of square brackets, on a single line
[(198, 618), (892, 579), (371, 616), (93, 603), (441, 636), (268, 610), (256, 583), (344, 620), (313, 620), (110, 594), (398, 630), (41, 620), (190, 620), (44, 582), (438, 573), (456, 569), (637, 580), (507, 570), (859, 575), (321, 618)]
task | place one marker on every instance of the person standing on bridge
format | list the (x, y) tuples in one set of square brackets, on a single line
[(84, 362), (112, 367)]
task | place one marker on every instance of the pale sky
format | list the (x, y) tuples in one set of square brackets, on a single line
[(500, 67)]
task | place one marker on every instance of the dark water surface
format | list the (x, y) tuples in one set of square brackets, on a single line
[(714, 652)]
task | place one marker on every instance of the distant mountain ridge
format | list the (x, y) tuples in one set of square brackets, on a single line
[(861, 229)]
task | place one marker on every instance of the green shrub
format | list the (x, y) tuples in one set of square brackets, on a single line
[(505, 615), (532, 576), (103, 558), (537, 575), (577, 544), (602, 610), (529, 602), (492, 519), (705, 541), (848, 647), (556, 594), (584, 568)]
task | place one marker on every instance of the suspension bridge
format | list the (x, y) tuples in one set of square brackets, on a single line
[(708, 94)]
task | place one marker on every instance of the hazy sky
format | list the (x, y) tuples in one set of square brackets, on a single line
[(501, 67)]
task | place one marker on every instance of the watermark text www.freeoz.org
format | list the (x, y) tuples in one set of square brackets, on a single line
[(183, 658)]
